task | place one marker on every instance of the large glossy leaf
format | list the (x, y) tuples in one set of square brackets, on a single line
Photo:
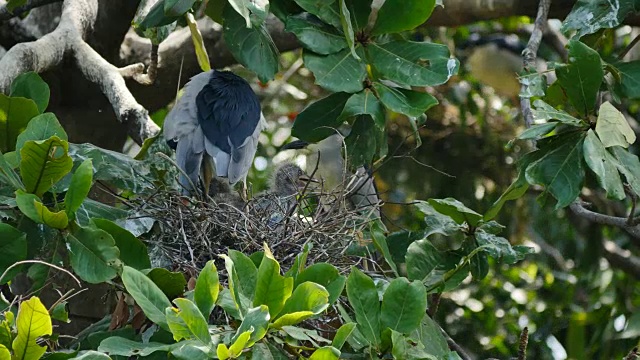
[(326, 275), (630, 78), (193, 318), (422, 258), (43, 163), (133, 252), (360, 11), (93, 254), (347, 27), (582, 77), (321, 119), (407, 102), (31, 86), (177, 7), (207, 288), (147, 295), (34, 209), (612, 127), (272, 289), (40, 127), (156, 17), (413, 63), (116, 345), (603, 165), (337, 72), (15, 113), (171, 283), (364, 103), (315, 35), (629, 165), (560, 169), (79, 187), (308, 299), (256, 321), (178, 327), (362, 141), (401, 15), (456, 210), (251, 46), (589, 16), (544, 111), (246, 271), (13, 247), (363, 297), (499, 248), (403, 305), (328, 10), (33, 321)]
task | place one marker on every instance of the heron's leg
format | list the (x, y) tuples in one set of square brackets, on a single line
[(208, 172)]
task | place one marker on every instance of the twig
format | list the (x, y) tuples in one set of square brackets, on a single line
[(5, 14), (43, 263), (522, 347), (453, 345), (626, 50), (634, 201), (529, 57), (621, 259), (633, 354), (633, 230)]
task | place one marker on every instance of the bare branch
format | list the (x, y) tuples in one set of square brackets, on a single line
[(5, 14), (621, 259), (529, 56), (633, 230)]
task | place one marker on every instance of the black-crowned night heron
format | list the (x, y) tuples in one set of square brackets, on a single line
[(281, 200), (214, 126), (360, 189)]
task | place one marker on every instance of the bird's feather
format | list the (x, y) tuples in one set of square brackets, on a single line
[(189, 153)]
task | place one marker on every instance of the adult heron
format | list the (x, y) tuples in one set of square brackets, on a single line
[(214, 126)]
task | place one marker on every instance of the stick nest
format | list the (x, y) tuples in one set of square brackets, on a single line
[(190, 233)]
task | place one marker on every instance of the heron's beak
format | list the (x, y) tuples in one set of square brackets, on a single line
[(295, 145)]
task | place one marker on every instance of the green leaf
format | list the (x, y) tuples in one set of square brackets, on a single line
[(33, 322), (15, 114), (5, 354), (328, 10), (362, 142), (8, 175), (629, 165), (630, 78), (272, 289), (240, 302), (34, 209), (499, 248), (363, 297), (13, 247), (171, 283), (207, 288), (603, 165), (430, 336), (252, 47), (40, 127), (360, 11), (156, 17), (236, 348), (325, 353), (247, 273), (308, 299), (404, 348), (90, 355), (582, 77), (194, 320), (326, 275), (257, 322), (364, 103), (321, 119), (588, 16), (413, 63), (338, 71), (403, 305), (13, 4), (241, 7), (147, 295), (422, 258), (60, 312), (343, 333), (347, 27), (314, 34), (178, 7), (559, 168), (407, 102), (116, 345), (379, 238), (178, 327), (436, 222), (456, 210), (544, 111), (93, 254), (44, 163), (538, 130), (518, 188), (401, 15), (31, 86), (79, 188), (612, 127), (133, 252)]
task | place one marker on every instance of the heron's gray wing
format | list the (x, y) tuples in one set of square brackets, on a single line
[(183, 117), (364, 193), (242, 156), (189, 152)]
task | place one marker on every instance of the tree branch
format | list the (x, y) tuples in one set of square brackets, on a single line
[(68, 40), (5, 14), (621, 259), (633, 230)]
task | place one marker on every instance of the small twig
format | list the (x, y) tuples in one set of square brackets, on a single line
[(578, 208), (454, 345), (634, 200), (39, 262), (522, 347), (434, 300), (633, 354), (626, 50), (529, 57)]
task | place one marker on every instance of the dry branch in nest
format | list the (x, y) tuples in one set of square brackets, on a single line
[(188, 234)]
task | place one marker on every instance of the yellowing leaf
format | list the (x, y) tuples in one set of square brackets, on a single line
[(612, 127), (4, 353), (34, 209), (33, 322)]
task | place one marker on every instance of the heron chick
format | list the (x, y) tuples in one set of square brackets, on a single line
[(214, 126)]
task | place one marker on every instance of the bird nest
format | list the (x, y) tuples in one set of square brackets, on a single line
[(189, 233)]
